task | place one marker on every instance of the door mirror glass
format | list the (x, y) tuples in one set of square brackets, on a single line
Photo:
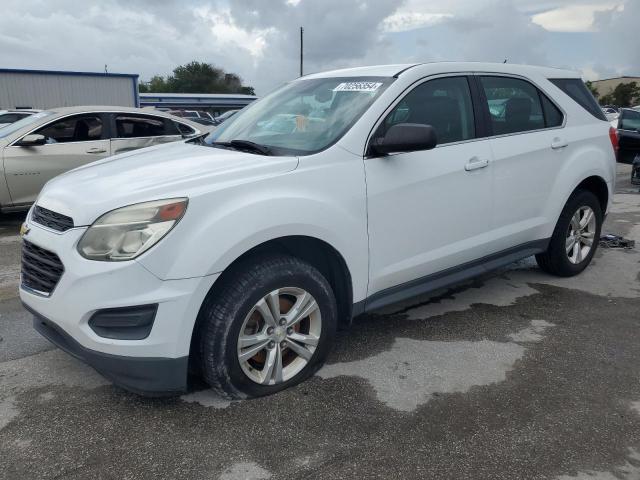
[(32, 140), (405, 137)]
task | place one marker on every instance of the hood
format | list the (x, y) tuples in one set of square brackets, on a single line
[(166, 171)]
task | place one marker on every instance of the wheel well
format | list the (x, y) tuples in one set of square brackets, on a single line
[(598, 187), (315, 252)]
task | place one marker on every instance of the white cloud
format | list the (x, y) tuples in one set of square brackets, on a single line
[(227, 33), (573, 18), (404, 21), (259, 40)]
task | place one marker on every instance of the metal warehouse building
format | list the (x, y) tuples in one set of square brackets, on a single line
[(47, 89), (213, 102)]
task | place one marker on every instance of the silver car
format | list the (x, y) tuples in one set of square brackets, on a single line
[(7, 117), (39, 147)]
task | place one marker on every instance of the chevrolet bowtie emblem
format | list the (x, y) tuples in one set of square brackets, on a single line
[(24, 230)]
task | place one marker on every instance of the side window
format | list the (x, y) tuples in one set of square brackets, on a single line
[(514, 105), (443, 103), (184, 129), (629, 120), (134, 126), (553, 117), (576, 89), (81, 128)]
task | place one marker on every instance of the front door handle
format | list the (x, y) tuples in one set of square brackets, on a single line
[(96, 150), (475, 163), (558, 143)]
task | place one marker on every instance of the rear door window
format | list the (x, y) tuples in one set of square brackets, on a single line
[(80, 128), (553, 117), (514, 105), (577, 90), (137, 126)]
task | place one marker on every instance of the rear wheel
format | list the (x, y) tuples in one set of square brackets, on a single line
[(575, 238), (268, 328)]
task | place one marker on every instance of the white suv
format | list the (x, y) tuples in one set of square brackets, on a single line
[(238, 255)]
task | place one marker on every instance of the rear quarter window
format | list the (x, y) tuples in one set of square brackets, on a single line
[(577, 90)]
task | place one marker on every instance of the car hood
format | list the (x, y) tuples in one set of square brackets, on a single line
[(166, 171)]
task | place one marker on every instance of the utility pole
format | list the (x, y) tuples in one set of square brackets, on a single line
[(301, 50)]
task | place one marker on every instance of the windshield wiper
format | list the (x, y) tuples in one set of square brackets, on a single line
[(246, 144)]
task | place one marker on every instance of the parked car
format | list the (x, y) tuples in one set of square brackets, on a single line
[(628, 135), (203, 121), (240, 254), (611, 114), (225, 116), (45, 144), (8, 117), (191, 114)]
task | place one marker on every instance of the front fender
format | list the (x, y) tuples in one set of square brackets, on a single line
[(221, 226)]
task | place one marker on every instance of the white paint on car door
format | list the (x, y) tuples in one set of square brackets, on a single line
[(429, 210), (529, 149)]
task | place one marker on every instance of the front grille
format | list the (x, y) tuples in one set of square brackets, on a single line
[(41, 269), (53, 220)]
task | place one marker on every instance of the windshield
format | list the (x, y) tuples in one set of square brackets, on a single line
[(302, 117), (14, 127)]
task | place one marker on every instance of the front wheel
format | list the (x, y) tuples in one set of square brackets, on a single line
[(575, 238), (269, 327)]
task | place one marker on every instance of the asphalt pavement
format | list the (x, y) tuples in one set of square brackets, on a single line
[(516, 375)]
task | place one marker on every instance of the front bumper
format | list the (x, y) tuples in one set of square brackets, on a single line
[(142, 375), (153, 364)]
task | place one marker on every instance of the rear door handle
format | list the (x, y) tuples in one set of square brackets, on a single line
[(558, 143), (475, 163), (96, 150)]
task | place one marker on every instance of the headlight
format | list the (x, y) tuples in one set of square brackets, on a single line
[(125, 233)]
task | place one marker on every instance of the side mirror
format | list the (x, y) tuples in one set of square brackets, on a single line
[(405, 137), (32, 140)]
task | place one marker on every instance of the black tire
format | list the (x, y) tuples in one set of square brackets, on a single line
[(223, 313), (555, 260)]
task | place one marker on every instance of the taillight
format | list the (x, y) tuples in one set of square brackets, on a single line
[(613, 136)]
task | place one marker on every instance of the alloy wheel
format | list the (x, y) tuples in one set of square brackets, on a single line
[(279, 336), (580, 235)]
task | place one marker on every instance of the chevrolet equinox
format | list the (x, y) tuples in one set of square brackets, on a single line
[(238, 254)]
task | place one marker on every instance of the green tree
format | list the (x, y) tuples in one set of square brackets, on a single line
[(592, 88), (624, 95), (157, 84), (197, 77)]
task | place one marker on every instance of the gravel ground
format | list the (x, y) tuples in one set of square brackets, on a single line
[(516, 375)]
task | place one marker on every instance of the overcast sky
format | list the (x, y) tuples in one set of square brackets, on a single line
[(259, 39)]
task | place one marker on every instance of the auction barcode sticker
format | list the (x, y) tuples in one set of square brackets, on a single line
[(357, 87)]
